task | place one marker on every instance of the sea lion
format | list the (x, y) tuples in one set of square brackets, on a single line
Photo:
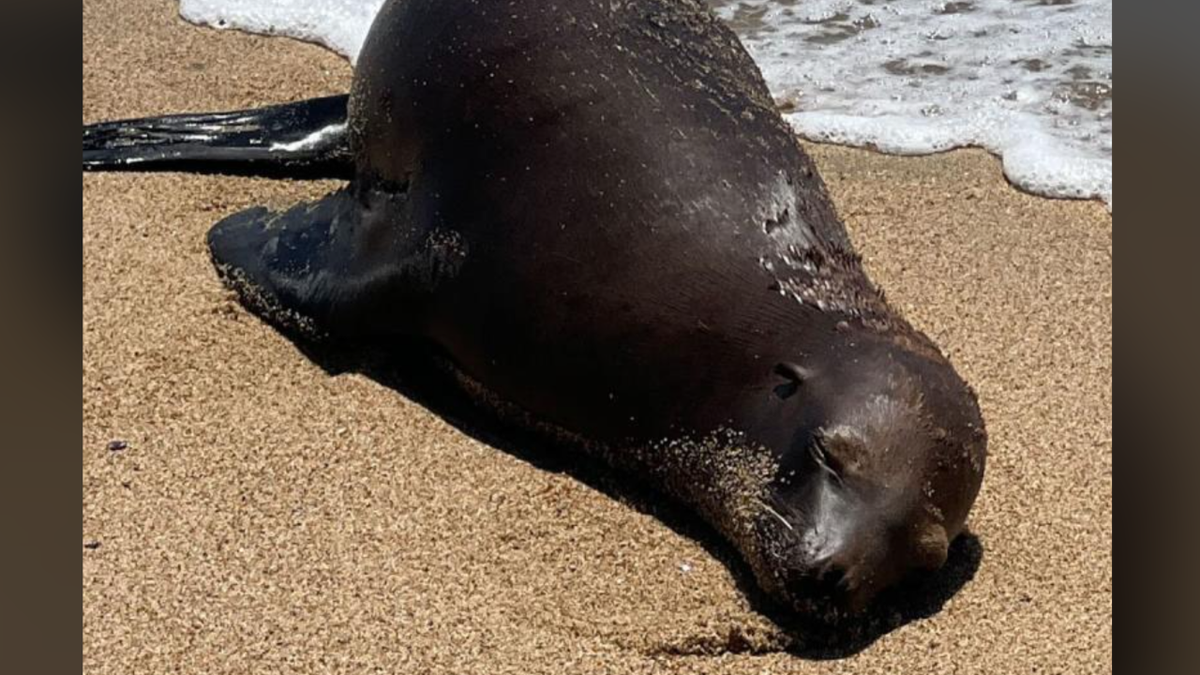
[(595, 211)]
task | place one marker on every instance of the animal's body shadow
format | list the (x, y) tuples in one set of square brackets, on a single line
[(411, 368)]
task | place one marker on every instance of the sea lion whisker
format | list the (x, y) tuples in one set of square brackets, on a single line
[(819, 455), (768, 509)]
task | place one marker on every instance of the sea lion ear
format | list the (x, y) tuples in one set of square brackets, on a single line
[(795, 375)]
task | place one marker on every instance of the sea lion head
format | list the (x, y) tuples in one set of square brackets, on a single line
[(876, 484)]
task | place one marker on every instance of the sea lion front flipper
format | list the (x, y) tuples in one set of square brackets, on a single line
[(349, 264)]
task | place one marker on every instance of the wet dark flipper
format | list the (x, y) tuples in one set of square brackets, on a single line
[(305, 139), (267, 258), (348, 265)]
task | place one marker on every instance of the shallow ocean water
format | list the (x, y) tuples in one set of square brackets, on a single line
[(1029, 80)]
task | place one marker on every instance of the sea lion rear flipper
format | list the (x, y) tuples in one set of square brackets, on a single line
[(305, 139), (339, 266)]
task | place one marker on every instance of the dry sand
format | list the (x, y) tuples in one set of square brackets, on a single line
[(269, 517)]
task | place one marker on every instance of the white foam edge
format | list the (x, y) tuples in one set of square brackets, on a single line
[(1033, 161)]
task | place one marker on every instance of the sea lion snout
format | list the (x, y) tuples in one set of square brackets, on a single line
[(848, 555), (841, 581)]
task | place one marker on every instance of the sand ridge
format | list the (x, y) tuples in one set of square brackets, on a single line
[(268, 516)]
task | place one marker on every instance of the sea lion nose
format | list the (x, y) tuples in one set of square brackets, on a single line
[(843, 580), (826, 587)]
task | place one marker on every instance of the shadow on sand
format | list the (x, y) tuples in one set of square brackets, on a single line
[(411, 369)]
